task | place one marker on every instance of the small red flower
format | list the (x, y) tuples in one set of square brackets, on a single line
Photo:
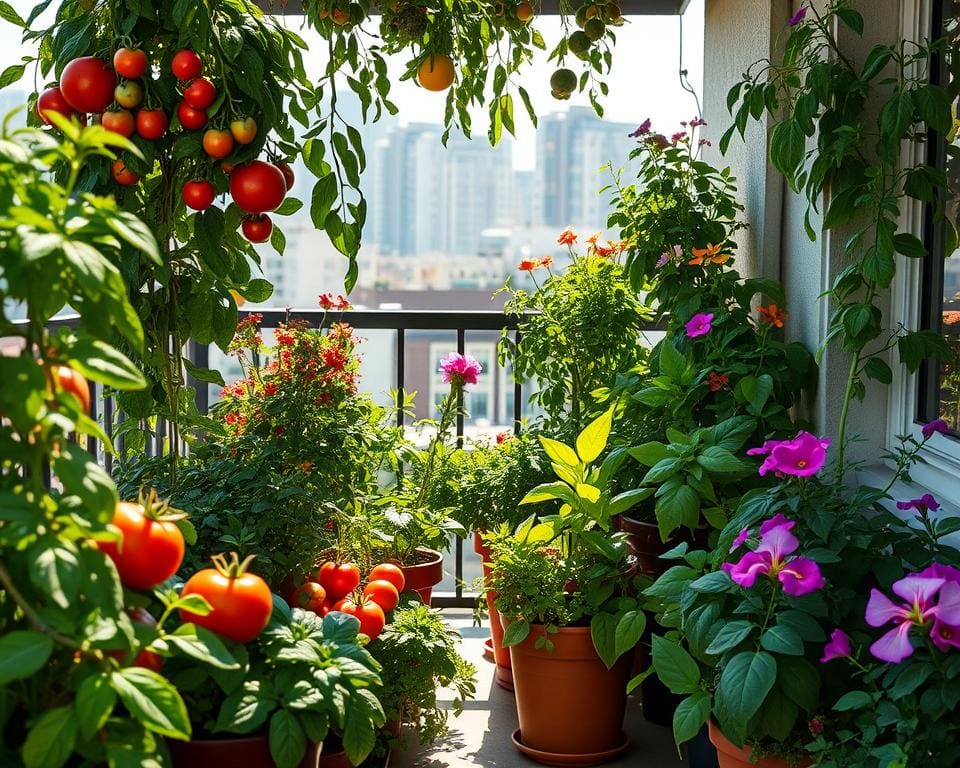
[(502, 437), (718, 381), (231, 418), (270, 389), (528, 265), (278, 430), (772, 315), (567, 237)]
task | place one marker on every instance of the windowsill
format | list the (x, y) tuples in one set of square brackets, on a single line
[(878, 475)]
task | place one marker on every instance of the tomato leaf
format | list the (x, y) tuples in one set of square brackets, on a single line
[(153, 701), (22, 653)]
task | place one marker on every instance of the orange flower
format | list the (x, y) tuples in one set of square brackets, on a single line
[(528, 265), (951, 317), (546, 261), (605, 250), (772, 315), (592, 240), (567, 237), (710, 253)]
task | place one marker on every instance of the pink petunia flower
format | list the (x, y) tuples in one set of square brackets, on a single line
[(699, 325), (926, 503), (642, 130), (803, 456), (798, 575), (460, 369), (937, 426), (838, 647), (918, 610), (740, 540)]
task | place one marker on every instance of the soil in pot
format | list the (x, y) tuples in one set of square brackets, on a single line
[(424, 575), (501, 655), (249, 751), (729, 755), (570, 706)]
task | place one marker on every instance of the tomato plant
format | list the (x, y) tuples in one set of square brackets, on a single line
[(218, 144), (257, 228), (199, 195), (190, 118), (75, 383), (240, 601), (244, 130), (87, 84), (200, 94), (152, 123), (51, 100), (130, 63), (257, 187), (339, 579), (150, 547), (310, 596), (186, 65), (128, 94), (123, 175), (119, 121)]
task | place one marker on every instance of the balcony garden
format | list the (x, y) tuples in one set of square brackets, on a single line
[(252, 584)]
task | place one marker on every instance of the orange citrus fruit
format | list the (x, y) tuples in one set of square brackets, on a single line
[(436, 72), (524, 12)]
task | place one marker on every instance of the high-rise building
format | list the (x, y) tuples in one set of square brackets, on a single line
[(572, 147)]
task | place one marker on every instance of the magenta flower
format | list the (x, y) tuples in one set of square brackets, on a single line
[(642, 130), (459, 369), (799, 16), (938, 571), (838, 647), (777, 521), (924, 504), (697, 122), (798, 575), (801, 457), (699, 325), (945, 632), (919, 609), (741, 539), (937, 425)]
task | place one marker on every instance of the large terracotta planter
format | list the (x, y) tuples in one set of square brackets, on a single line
[(729, 755), (249, 751), (501, 655), (423, 576), (570, 706)]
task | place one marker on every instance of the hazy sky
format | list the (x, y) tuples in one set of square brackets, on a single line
[(644, 81)]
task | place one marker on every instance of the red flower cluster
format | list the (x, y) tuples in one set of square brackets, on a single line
[(328, 302), (718, 381)]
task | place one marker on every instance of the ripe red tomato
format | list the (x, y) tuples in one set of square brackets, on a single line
[(186, 65), (130, 62), (70, 381), (217, 143), (200, 94), (128, 94), (372, 618), (388, 572), (152, 123), (288, 176), (150, 551), (227, 168), (244, 129), (241, 603), (118, 121), (123, 175), (257, 228), (309, 596), (51, 100), (199, 195), (87, 84), (257, 187), (339, 579), (383, 593), (190, 118)]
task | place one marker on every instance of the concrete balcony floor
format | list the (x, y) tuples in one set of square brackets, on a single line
[(481, 735)]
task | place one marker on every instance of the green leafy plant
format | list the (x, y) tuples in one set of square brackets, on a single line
[(570, 568), (304, 679), (418, 653), (73, 680)]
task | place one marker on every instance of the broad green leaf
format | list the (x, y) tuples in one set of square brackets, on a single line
[(603, 630), (730, 636), (288, 743), (630, 628), (853, 700), (202, 645), (94, 703), (51, 739), (745, 682), (719, 461), (244, 711), (593, 439), (650, 453), (516, 632), (153, 700), (782, 639), (558, 452), (101, 362), (690, 716), (22, 653), (675, 667)]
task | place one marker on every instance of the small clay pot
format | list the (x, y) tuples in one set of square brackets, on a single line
[(729, 755), (248, 751), (425, 574), (501, 655), (570, 706)]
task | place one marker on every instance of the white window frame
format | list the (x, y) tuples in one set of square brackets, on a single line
[(941, 473)]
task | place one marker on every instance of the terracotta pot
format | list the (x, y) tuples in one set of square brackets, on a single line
[(570, 706), (425, 574), (330, 755), (249, 751), (643, 540), (501, 655), (730, 755)]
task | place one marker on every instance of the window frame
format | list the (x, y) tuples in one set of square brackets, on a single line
[(917, 299)]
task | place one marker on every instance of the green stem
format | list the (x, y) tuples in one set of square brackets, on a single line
[(844, 415)]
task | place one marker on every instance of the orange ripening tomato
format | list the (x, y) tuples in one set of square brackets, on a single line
[(243, 130), (75, 383), (240, 602), (150, 550), (388, 572), (371, 616), (383, 593), (119, 121), (123, 175), (310, 596), (217, 144), (130, 62)]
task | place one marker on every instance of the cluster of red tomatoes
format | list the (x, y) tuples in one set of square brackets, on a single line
[(119, 98), (336, 587)]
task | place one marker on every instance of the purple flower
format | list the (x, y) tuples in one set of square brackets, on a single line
[(741, 539), (666, 257), (838, 647), (945, 632), (937, 425), (699, 325), (924, 504), (642, 130), (801, 457), (678, 137), (918, 591), (459, 369), (938, 571), (697, 122), (798, 575), (798, 16), (777, 521)]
